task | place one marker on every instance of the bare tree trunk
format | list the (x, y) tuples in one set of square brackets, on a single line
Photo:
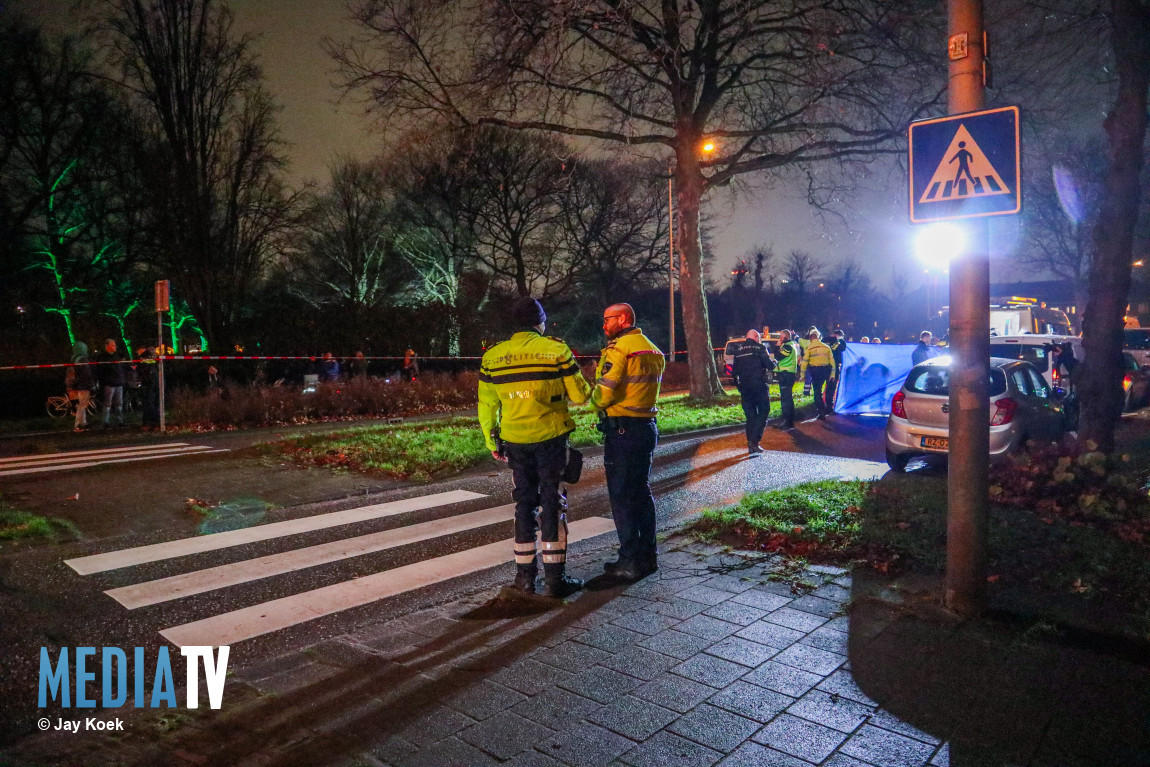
[(1101, 385), (704, 376)]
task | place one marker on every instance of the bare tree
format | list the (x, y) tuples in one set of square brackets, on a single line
[(801, 269), (777, 84), (211, 159)]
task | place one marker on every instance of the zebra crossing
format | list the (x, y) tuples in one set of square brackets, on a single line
[(81, 459), (231, 626)]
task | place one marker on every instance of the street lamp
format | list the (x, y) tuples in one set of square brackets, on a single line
[(935, 246), (706, 147)]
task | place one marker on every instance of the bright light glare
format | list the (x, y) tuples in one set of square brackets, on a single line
[(709, 146), (938, 244)]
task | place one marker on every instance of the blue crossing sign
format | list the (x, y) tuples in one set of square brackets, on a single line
[(965, 166)]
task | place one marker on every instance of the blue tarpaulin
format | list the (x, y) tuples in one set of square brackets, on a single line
[(871, 375)]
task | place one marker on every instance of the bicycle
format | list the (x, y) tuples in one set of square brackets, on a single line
[(59, 407)]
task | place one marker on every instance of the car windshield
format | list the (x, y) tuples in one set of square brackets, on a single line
[(935, 379), (1137, 338), (1036, 354)]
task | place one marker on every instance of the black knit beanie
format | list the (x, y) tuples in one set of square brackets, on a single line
[(526, 312)]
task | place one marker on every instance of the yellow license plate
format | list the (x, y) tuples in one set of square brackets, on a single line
[(938, 443)]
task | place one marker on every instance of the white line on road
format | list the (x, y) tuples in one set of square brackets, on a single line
[(212, 578), (237, 625), (184, 546), (89, 453), (202, 450)]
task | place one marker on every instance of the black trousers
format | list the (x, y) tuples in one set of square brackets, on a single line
[(627, 451), (786, 381), (537, 469), (757, 408), (819, 376)]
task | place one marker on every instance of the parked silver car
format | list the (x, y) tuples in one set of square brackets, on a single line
[(1023, 406)]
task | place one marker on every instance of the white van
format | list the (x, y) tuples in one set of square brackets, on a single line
[(1035, 348)]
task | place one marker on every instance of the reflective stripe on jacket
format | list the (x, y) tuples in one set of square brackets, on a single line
[(524, 386), (628, 376), (818, 355)]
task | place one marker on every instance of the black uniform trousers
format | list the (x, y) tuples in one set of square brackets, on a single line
[(786, 381), (757, 408), (628, 445), (819, 376), (537, 470)]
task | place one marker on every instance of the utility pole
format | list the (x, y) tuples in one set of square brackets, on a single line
[(967, 481), (671, 257)]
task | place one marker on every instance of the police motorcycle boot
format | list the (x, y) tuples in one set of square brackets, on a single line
[(525, 579), (558, 584)]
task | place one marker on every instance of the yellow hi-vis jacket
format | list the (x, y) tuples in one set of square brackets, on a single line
[(818, 355), (628, 377), (524, 385)]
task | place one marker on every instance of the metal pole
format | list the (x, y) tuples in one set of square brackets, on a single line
[(671, 259), (160, 371), (967, 482)]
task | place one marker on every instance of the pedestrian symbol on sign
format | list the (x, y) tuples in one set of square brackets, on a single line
[(963, 172)]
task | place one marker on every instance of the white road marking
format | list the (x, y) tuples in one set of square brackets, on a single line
[(185, 546), (237, 625), (204, 450), (88, 453), (212, 578)]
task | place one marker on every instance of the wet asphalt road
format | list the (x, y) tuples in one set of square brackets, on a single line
[(48, 604)]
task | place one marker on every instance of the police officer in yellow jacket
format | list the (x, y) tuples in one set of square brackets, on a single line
[(626, 388), (820, 360), (525, 384)]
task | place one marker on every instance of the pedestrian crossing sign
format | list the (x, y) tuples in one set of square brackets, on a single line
[(965, 166)]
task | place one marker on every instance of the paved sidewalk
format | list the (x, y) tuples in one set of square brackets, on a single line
[(713, 660)]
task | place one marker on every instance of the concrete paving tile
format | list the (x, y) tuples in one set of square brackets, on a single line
[(800, 738), (742, 651), (843, 684), (435, 725), (627, 602), (451, 752), (484, 698), (842, 760), (832, 591), (705, 594), (941, 757), (735, 612), (556, 708), (841, 623), (654, 588), (833, 571), (533, 759), (707, 627), (505, 735), (751, 701), (674, 607), (611, 638), (711, 671), (600, 617), (572, 656), (771, 634), (633, 717), (780, 587), (828, 639), (645, 622), (817, 605), (529, 676), (393, 750), (564, 634), (785, 679), (715, 727), (764, 600), (889, 721), (675, 643), (668, 750), (601, 684), (436, 625), (754, 755), (586, 745), (736, 584), (833, 711), (810, 659), (641, 663), (337, 652), (674, 692), (887, 749), (795, 619)]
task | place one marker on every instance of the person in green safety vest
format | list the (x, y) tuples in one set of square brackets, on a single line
[(525, 384), (786, 372)]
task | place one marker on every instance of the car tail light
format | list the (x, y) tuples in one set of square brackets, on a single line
[(1127, 381), (1004, 412), (897, 408), (1055, 376)]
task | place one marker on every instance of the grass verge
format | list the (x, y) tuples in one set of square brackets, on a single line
[(423, 451), (16, 525)]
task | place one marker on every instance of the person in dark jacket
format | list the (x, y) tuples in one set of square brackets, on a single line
[(924, 350), (111, 375), (751, 364), (149, 387), (78, 380), (838, 345)]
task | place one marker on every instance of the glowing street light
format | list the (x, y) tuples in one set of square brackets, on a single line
[(938, 244)]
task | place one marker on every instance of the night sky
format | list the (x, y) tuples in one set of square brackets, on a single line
[(319, 127)]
